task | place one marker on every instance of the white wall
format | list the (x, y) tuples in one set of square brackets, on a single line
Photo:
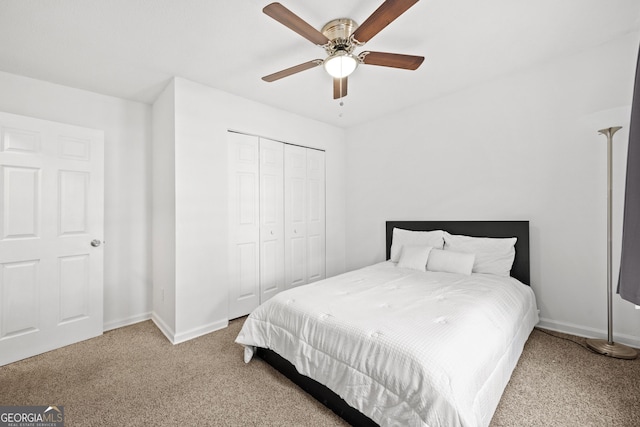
[(202, 118), (164, 211), (190, 123), (521, 147), (127, 250)]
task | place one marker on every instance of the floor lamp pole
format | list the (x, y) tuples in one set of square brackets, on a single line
[(608, 347)]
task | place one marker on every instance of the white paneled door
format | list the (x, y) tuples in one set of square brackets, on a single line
[(316, 255), (244, 224), (295, 189), (304, 218), (51, 230), (271, 218), (276, 219)]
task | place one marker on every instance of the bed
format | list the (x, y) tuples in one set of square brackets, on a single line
[(389, 344)]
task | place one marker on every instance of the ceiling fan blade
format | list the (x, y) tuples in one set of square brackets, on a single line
[(292, 70), (395, 60), (383, 16), (294, 22), (339, 87)]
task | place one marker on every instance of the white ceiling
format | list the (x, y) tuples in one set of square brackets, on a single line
[(131, 48)]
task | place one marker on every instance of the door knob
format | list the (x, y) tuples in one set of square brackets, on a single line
[(95, 243)]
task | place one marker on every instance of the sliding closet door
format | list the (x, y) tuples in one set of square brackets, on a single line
[(295, 183), (304, 186), (244, 224), (276, 219), (316, 255), (271, 218)]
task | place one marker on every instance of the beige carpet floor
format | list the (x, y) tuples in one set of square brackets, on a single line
[(134, 377)]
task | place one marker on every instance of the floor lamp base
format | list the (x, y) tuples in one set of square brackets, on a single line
[(619, 351)]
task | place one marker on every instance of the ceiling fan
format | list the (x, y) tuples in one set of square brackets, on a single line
[(339, 38)]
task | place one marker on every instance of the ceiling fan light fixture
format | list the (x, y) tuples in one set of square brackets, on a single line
[(340, 64), (339, 38)]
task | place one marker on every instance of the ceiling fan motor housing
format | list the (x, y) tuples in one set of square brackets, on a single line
[(339, 31), (339, 28)]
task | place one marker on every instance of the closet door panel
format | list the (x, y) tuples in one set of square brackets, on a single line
[(297, 262), (295, 176), (315, 208), (244, 226), (276, 219), (271, 218), (315, 267)]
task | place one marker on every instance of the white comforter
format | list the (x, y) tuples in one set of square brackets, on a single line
[(404, 347)]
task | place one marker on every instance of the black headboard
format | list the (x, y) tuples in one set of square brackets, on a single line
[(519, 229)]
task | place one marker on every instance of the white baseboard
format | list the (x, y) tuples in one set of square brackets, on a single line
[(583, 331), (164, 328), (115, 324), (190, 334), (202, 330)]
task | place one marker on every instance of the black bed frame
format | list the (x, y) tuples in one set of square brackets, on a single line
[(520, 271)]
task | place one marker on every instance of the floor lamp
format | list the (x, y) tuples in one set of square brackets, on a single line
[(608, 347)]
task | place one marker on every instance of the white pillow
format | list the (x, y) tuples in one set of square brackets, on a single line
[(450, 262), (414, 257), (403, 237), (493, 256)]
